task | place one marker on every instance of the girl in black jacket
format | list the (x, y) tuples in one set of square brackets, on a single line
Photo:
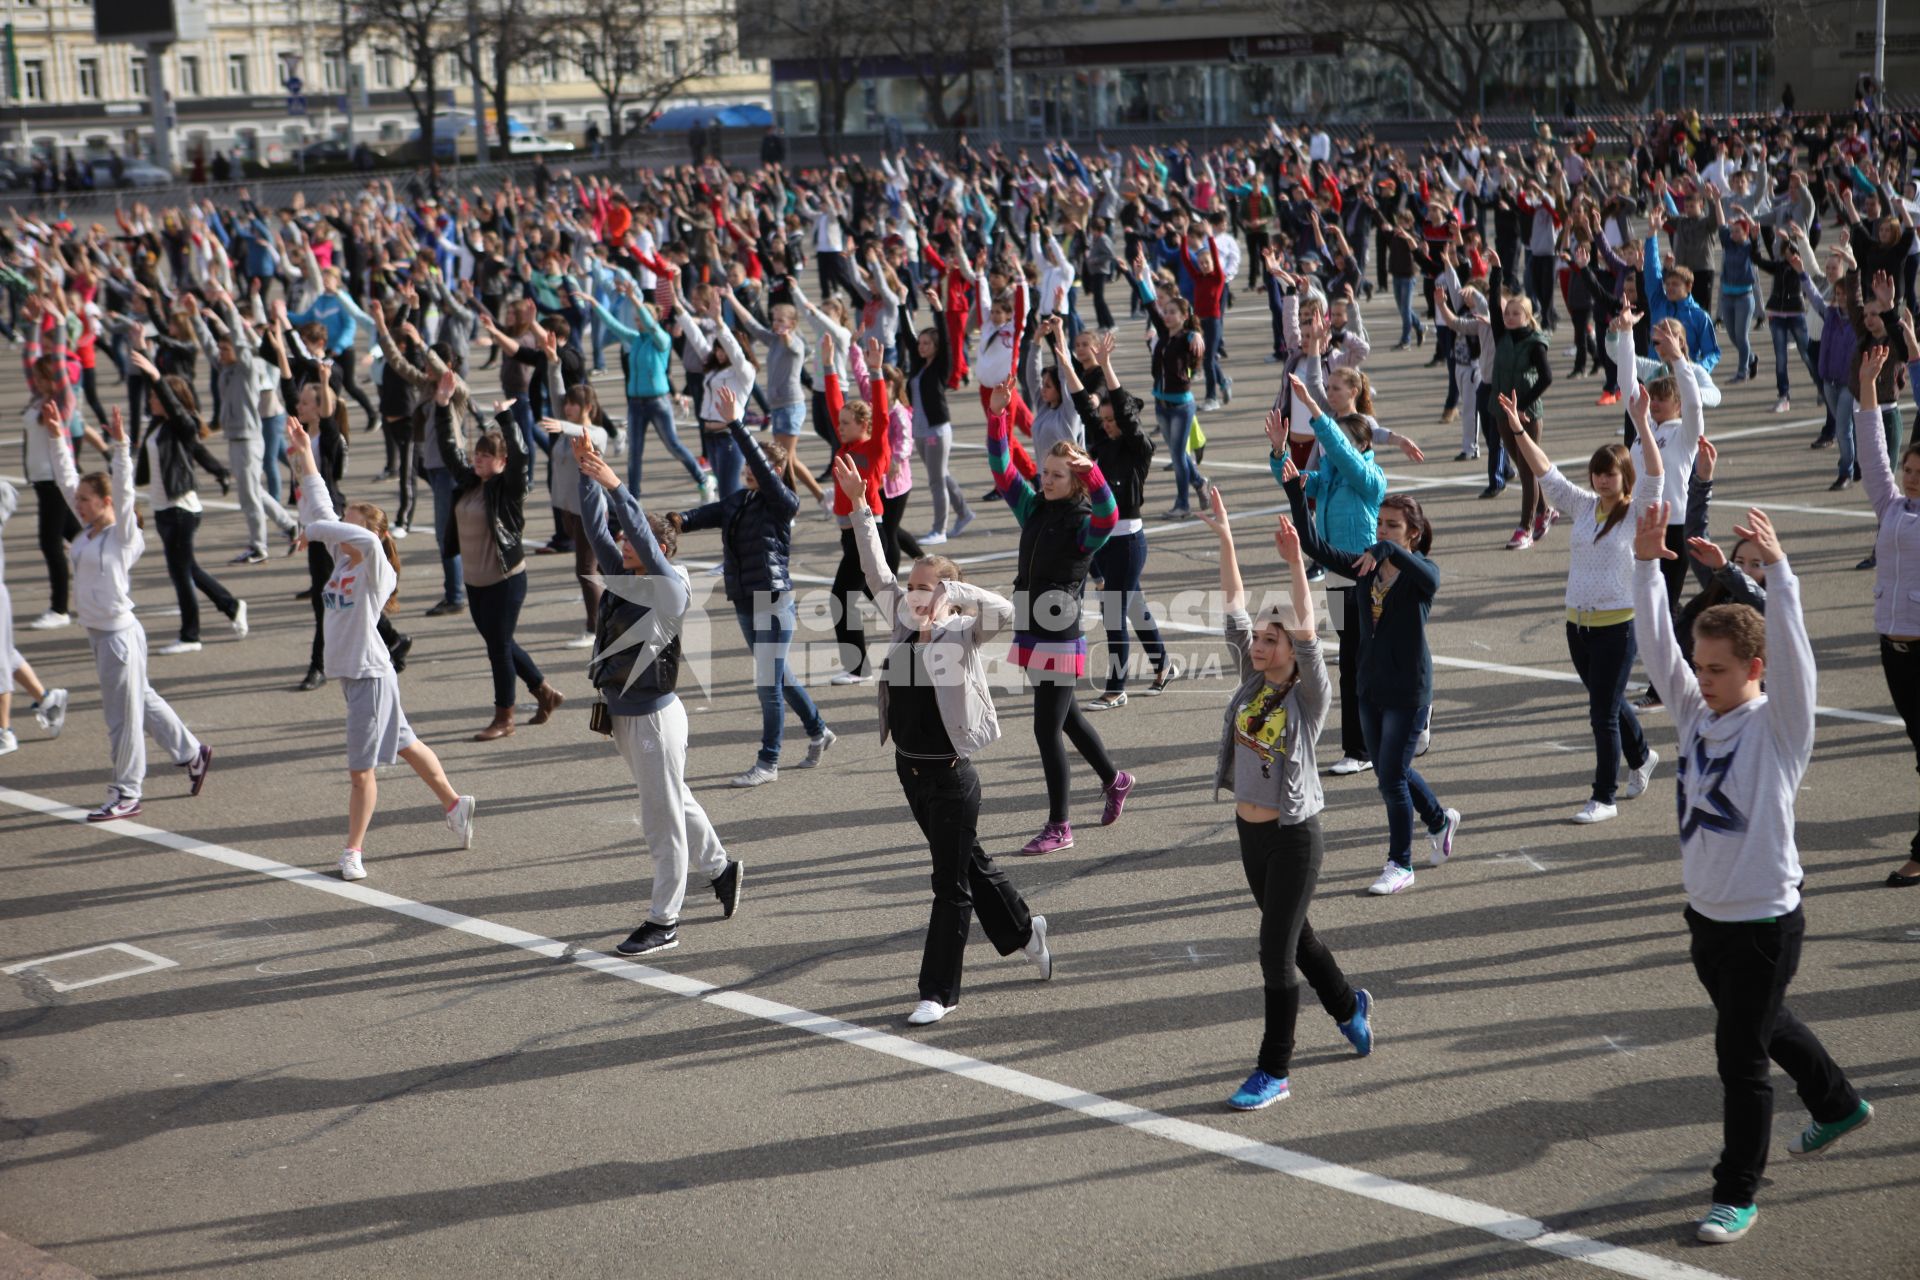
[(164, 457), (489, 503), (1124, 454)]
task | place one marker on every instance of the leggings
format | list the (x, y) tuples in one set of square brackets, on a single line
[(345, 359), (1118, 564), (936, 452), (1532, 501), (496, 612), (91, 389), (1283, 868), (1583, 340), (847, 628), (399, 437), (57, 527), (1055, 710), (583, 567), (893, 538), (177, 528)]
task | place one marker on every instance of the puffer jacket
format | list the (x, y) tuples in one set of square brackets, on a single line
[(505, 494), (756, 526), (1346, 489)]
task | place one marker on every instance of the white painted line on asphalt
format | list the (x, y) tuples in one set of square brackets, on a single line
[(150, 963), (1357, 1182)]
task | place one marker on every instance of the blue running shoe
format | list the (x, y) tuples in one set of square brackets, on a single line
[(1359, 1028), (1260, 1090), (1725, 1223)]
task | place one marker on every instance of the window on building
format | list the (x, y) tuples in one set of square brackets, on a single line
[(629, 56), (189, 76), (383, 70), (137, 74), (33, 80), (289, 66), (88, 77), (333, 73), (550, 66), (670, 57), (589, 61), (710, 54), (237, 73)]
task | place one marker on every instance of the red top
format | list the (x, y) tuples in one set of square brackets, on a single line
[(1208, 288), (874, 455)]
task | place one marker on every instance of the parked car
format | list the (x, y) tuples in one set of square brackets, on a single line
[(327, 151), (133, 173), (534, 144)]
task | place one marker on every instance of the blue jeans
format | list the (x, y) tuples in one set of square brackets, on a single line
[(1118, 564), (273, 442), (1176, 421), (452, 588), (1603, 656), (787, 420), (1792, 329), (531, 436), (657, 410), (1403, 300), (723, 459), (1491, 441), (1391, 733), (1736, 316), (1840, 404), (1214, 333), (768, 626)]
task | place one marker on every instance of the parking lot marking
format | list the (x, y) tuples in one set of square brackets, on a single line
[(149, 963)]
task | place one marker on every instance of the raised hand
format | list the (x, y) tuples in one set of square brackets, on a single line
[(1759, 531), (726, 402), (116, 426), (1286, 539), (1650, 533), (1708, 553), (851, 483), (298, 441), (1703, 461), (1215, 515), (1304, 396), (1637, 408), (593, 466), (1002, 397), (443, 390)]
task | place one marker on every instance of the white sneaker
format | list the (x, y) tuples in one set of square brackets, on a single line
[(1348, 765), (1594, 811), (1209, 405), (399, 531), (826, 507), (1637, 779), (817, 747), (847, 677), (239, 623), (582, 641), (1393, 878), (1442, 840), (182, 646), (716, 569), (50, 621), (1783, 405), (8, 742), (1423, 743), (52, 712), (933, 539), (928, 1011), (460, 821), (709, 488), (756, 776), (1037, 949), (351, 868)]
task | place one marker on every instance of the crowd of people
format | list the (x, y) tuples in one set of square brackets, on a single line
[(742, 305)]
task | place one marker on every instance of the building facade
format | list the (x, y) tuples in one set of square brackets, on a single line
[(229, 91)]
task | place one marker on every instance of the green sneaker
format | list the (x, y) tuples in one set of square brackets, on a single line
[(1726, 1223), (1816, 1137)]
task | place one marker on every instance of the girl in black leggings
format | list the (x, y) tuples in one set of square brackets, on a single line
[(1267, 757), (1061, 525)]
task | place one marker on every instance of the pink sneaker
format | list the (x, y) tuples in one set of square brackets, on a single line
[(1541, 523), (1052, 838), (1116, 793), (1520, 540)]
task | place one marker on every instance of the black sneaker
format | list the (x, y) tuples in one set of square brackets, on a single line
[(445, 607), (649, 937), (726, 887), (314, 679)]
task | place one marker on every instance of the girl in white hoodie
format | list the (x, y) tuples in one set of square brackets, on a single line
[(103, 556)]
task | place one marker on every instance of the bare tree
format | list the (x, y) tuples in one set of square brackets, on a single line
[(421, 32), (620, 47), (1450, 49), (512, 34), (945, 44), (831, 36)]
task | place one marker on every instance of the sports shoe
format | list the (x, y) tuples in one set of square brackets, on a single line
[(709, 488), (760, 774), (8, 742), (1053, 837), (252, 555), (1595, 811), (1359, 1028), (825, 504), (1648, 701), (1348, 765), (1209, 404), (1108, 701), (1393, 878), (1492, 491), (445, 607), (50, 621), (1608, 398), (960, 525), (648, 938), (1520, 540), (715, 569), (1423, 743), (460, 821), (932, 538), (1725, 1223), (52, 712), (314, 678), (351, 866), (1116, 793), (117, 806), (1637, 779), (726, 887), (181, 646), (1037, 949), (1541, 523), (848, 677), (927, 1012), (401, 531), (1442, 840), (1783, 405), (817, 747), (197, 769), (1449, 416), (1260, 1090), (239, 620), (1178, 513), (582, 641), (1817, 1137)]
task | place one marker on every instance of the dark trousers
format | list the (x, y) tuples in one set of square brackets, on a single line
[(836, 270), (1056, 713), (1118, 564), (945, 800), (57, 527), (496, 613), (345, 360), (1703, 291), (848, 631), (1900, 660), (177, 528), (893, 538), (90, 387), (1533, 503), (399, 436), (1102, 312), (1353, 738), (1493, 435), (1540, 272), (452, 588), (1283, 868), (1745, 968), (1584, 345), (1603, 656), (1607, 366), (1392, 733), (319, 569)]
